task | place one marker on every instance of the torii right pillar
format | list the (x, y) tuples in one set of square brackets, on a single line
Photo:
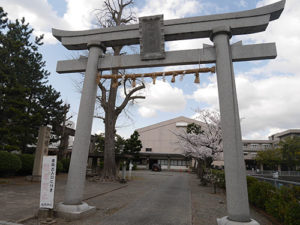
[(235, 172)]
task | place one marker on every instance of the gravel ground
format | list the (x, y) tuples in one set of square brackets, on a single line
[(207, 206)]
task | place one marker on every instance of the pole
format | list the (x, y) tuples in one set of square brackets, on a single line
[(130, 170), (123, 180), (235, 172), (77, 172)]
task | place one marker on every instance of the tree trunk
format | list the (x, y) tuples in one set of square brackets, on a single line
[(200, 168), (109, 170), (195, 165), (201, 171)]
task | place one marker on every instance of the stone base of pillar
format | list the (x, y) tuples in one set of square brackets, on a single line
[(74, 212), (225, 221)]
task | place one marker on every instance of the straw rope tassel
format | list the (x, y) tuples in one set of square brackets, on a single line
[(154, 79), (164, 77), (173, 78), (182, 75), (133, 82), (197, 78), (115, 82), (143, 81)]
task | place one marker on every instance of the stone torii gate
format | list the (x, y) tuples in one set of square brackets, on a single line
[(150, 33)]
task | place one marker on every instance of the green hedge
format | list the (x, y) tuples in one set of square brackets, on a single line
[(59, 167), (220, 178), (259, 193), (66, 165), (27, 164), (283, 203), (9, 163)]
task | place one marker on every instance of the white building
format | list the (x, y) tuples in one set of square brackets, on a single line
[(160, 145)]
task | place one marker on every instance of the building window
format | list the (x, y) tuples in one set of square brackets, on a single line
[(254, 146), (181, 124), (266, 146), (163, 162), (148, 149), (178, 163)]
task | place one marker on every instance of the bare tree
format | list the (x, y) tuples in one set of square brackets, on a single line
[(64, 138), (114, 13), (204, 143)]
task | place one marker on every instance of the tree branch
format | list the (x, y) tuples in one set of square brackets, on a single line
[(137, 97), (99, 117), (129, 97), (103, 96)]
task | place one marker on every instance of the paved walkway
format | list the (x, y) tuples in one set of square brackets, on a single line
[(167, 202), (161, 198)]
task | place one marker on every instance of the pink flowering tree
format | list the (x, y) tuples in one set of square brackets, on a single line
[(203, 141)]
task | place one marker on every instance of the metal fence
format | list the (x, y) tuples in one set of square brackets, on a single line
[(280, 173), (277, 182)]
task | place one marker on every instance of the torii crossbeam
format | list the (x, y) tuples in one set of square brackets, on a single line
[(219, 28)]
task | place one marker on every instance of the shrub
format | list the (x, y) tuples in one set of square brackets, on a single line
[(134, 166), (251, 180), (296, 192), (59, 167), (220, 178), (276, 206), (9, 163), (101, 164), (66, 165), (121, 165), (260, 192), (283, 204), (292, 216), (27, 164)]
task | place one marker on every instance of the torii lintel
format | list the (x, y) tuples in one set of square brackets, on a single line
[(244, 22)]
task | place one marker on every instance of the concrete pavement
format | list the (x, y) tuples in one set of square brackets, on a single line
[(166, 203)]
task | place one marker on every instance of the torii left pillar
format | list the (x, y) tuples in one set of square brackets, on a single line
[(73, 207)]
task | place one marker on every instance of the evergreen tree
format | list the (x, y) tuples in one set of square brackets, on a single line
[(290, 150), (119, 144), (99, 144), (26, 101), (133, 145), (270, 157), (193, 128)]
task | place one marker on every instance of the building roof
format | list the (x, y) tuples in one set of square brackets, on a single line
[(258, 141), (160, 155), (286, 132), (167, 122)]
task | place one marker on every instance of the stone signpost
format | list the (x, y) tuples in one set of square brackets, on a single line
[(219, 28), (40, 152)]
